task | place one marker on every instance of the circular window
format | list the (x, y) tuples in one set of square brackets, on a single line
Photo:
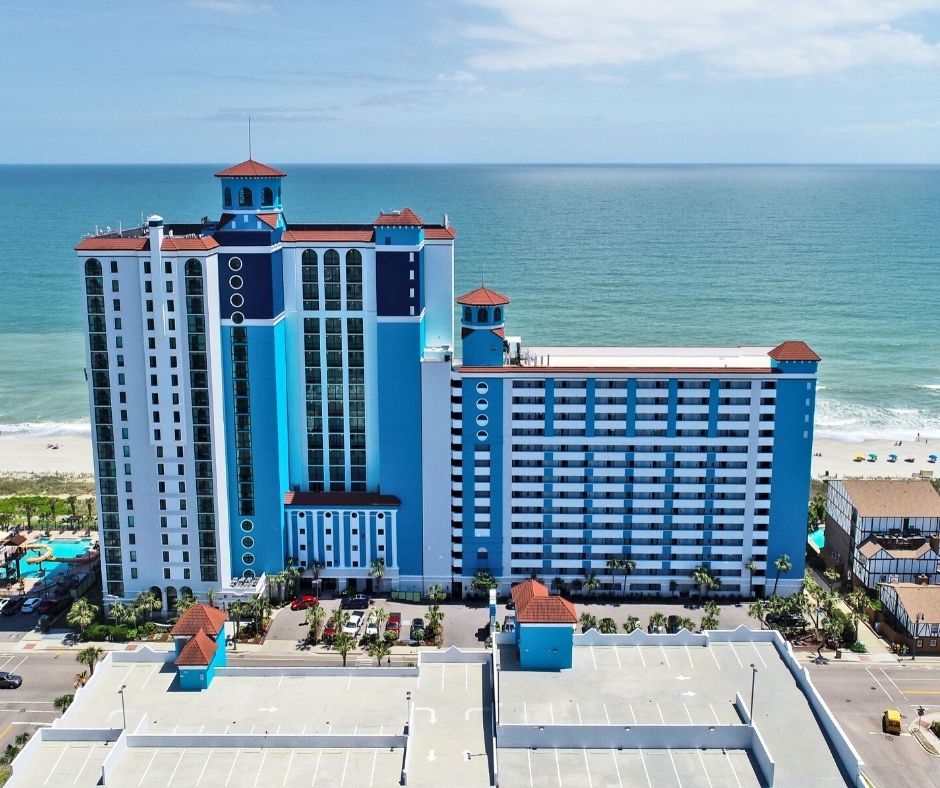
[(246, 525), (482, 435), (249, 573), (248, 559), (354, 515), (237, 299), (328, 515), (235, 282), (301, 515), (235, 264), (482, 404), (248, 542), (482, 388), (238, 318), (381, 515), (483, 420)]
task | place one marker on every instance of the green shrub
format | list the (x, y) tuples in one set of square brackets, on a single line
[(97, 632), (935, 728), (391, 635), (858, 647), (119, 633)]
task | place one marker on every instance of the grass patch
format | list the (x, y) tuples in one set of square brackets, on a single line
[(26, 484)]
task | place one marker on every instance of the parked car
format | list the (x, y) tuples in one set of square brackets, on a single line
[(30, 605), (303, 602), (354, 602), (417, 625), (355, 621), (394, 622), (372, 626), (509, 623), (50, 606), (329, 632), (787, 620), (672, 625), (12, 606), (10, 681), (891, 722)]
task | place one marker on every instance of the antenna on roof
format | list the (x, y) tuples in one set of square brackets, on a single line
[(249, 137), (483, 275)]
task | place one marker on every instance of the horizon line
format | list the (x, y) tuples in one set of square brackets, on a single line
[(485, 163)]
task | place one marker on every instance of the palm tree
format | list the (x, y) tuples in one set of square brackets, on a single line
[(90, 656), (292, 575), (657, 621), (783, 565), (607, 626), (588, 621), (624, 565), (80, 679), (435, 618), (212, 595), (22, 740), (90, 508), (53, 506), (751, 567), (702, 576), (482, 582), (63, 702), (81, 614), (591, 582), (710, 617), (630, 624), (147, 602), (315, 617), (344, 643), (377, 570), (436, 593), (72, 502), (558, 585), (259, 607), (28, 508), (184, 602), (758, 609), (379, 649), (380, 616), (237, 610), (686, 623)]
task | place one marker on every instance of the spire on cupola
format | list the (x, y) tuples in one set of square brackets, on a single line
[(251, 197), (482, 322)]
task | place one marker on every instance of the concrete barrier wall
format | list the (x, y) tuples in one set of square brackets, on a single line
[(111, 763), (504, 638), (632, 737), (742, 633), (454, 654), (24, 759), (640, 637), (741, 708), (81, 693), (276, 670), (145, 654), (762, 756), (82, 734), (273, 741)]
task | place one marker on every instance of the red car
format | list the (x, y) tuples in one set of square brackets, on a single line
[(394, 622), (329, 632), (308, 600)]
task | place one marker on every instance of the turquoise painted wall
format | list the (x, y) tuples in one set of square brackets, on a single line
[(199, 678), (545, 646)]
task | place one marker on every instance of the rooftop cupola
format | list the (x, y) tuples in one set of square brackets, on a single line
[(482, 320), (253, 188)]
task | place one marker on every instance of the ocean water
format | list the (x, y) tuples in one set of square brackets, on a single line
[(847, 258)]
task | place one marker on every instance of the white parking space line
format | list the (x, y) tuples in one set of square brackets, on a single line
[(647, 771), (152, 758), (5, 663), (712, 652), (759, 656), (689, 655), (230, 771), (673, 760), (715, 713), (91, 751), (173, 773), (528, 754), (639, 650), (879, 684), (613, 755), (551, 713), (731, 646), (281, 679), (203, 770), (525, 713), (661, 648), (558, 767), (593, 658), (733, 770), (659, 709), (290, 765), (345, 764), (606, 715), (617, 655), (56, 765), (443, 673), (577, 707), (153, 671), (17, 665), (632, 713), (587, 767), (704, 770), (375, 757), (264, 755), (686, 707), (316, 769)]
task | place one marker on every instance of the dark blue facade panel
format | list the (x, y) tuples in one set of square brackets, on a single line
[(394, 283), (260, 292)]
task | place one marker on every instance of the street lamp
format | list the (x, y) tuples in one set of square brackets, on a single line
[(753, 682), (917, 619), (407, 709), (123, 712)]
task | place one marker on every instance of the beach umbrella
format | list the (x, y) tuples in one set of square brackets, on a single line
[(932, 458), (892, 458), (872, 457), (858, 458), (910, 459)]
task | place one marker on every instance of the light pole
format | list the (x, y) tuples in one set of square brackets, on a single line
[(917, 619), (753, 682), (407, 709), (123, 712)]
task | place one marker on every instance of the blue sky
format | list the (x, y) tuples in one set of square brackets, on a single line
[(471, 81)]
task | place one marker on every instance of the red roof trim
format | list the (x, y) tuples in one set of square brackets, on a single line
[(326, 499), (534, 605), (139, 244), (439, 233), (793, 350), (328, 236), (482, 296), (514, 370), (181, 244), (403, 218), (270, 219), (251, 169), (200, 618), (198, 652)]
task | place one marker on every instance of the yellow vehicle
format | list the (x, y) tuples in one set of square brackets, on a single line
[(891, 721)]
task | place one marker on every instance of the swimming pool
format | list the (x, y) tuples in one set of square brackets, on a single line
[(818, 538), (66, 548)]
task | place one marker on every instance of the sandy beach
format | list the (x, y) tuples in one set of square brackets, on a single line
[(31, 454)]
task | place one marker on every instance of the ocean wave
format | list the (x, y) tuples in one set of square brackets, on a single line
[(44, 429), (847, 421), (928, 386)]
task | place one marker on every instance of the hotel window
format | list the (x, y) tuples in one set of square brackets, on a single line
[(227, 198), (353, 280), (310, 280), (244, 197), (331, 279)]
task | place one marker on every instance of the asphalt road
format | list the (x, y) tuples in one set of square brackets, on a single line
[(46, 675), (858, 694)]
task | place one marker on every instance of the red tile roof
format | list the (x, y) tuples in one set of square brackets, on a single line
[(175, 243), (198, 652), (250, 169), (318, 499), (328, 236), (483, 296), (543, 370), (793, 350), (439, 233), (200, 618), (137, 244), (270, 219), (534, 605), (404, 217)]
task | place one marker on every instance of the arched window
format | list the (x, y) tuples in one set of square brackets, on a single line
[(353, 279), (481, 315), (171, 597), (186, 591), (267, 197), (497, 315), (227, 197), (155, 590), (331, 257), (331, 280), (244, 197), (193, 267), (468, 314), (309, 280), (92, 267)]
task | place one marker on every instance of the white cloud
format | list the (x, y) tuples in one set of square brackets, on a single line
[(747, 37), (231, 6), (460, 77)]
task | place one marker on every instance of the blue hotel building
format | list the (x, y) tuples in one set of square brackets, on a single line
[(263, 391)]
